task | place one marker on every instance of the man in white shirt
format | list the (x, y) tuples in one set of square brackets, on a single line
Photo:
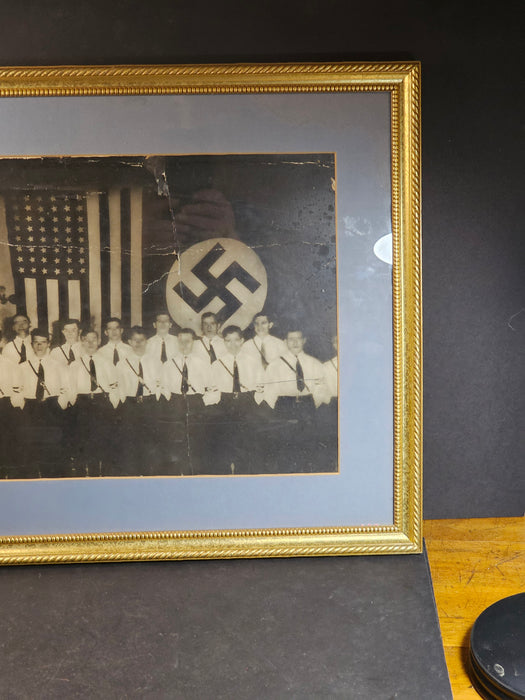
[(210, 346), (162, 346), (94, 397), (41, 378), (237, 383), (71, 349), (295, 387), (263, 347), (237, 376), (186, 374), (19, 349), (139, 381), (9, 388), (294, 379), (115, 349), (185, 379), (44, 396)]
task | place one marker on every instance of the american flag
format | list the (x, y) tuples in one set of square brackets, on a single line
[(75, 254)]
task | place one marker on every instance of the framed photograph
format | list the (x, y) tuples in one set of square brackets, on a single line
[(210, 304)]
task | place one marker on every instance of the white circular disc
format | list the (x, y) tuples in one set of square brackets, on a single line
[(221, 275)]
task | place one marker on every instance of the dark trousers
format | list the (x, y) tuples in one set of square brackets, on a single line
[(9, 449), (297, 438), (39, 435), (91, 423), (230, 428), (181, 434), (138, 439)]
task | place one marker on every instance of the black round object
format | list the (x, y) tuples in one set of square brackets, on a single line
[(497, 650)]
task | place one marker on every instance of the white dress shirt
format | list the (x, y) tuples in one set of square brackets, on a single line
[(13, 349), (80, 378), (201, 347), (9, 378), (154, 346), (56, 380), (251, 375), (330, 376), (107, 351), (281, 378), (268, 347), (61, 353), (128, 380), (199, 375)]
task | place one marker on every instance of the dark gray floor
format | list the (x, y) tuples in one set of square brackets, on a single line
[(361, 627)]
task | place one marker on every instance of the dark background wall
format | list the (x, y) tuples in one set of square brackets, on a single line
[(474, 243)]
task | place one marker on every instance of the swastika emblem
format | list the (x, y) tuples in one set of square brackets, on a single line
[(221, 275)]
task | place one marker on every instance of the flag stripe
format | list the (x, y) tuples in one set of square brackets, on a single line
[(6, 275), (31, 306), (136, 255), (53, 310), (74, 310), (125, 233), (105, 262), (63, 306), (93, 216), (41, 296), (85, 296), (115, 254)]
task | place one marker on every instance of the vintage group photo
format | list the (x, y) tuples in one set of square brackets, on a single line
[(168, 316)]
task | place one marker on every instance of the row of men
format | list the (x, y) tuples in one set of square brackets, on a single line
[(209, 366)]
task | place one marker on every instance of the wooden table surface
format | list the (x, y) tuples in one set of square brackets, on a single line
[(474, 563)]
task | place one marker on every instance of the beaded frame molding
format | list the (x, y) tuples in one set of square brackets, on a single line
[(402, 82)]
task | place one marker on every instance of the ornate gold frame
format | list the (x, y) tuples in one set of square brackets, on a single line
[(402, 81)]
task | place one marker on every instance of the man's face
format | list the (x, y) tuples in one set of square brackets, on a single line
[(90, 343), (163, 324), (262, 325), (138, 343), (233, 343), (70, 332), (209, 327), (295, 342), (114, 331), (21, 326), (40, 345), (185, 343)]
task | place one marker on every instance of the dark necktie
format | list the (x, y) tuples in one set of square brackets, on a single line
[(236, 381), (140, 387), (23, 354), (300, 377), (213, 356), (263, 357), (184, 379), (163, 355), (115, 356), (39, 395), (71, 357), (93, 374)]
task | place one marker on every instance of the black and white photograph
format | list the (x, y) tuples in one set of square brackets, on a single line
[(168, 315)]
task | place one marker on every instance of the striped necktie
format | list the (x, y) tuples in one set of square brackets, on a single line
[(184, 378), (140, 387), (300, 377), (236, 380), (39, 394)]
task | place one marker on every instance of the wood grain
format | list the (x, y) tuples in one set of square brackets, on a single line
[(474, 563)]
